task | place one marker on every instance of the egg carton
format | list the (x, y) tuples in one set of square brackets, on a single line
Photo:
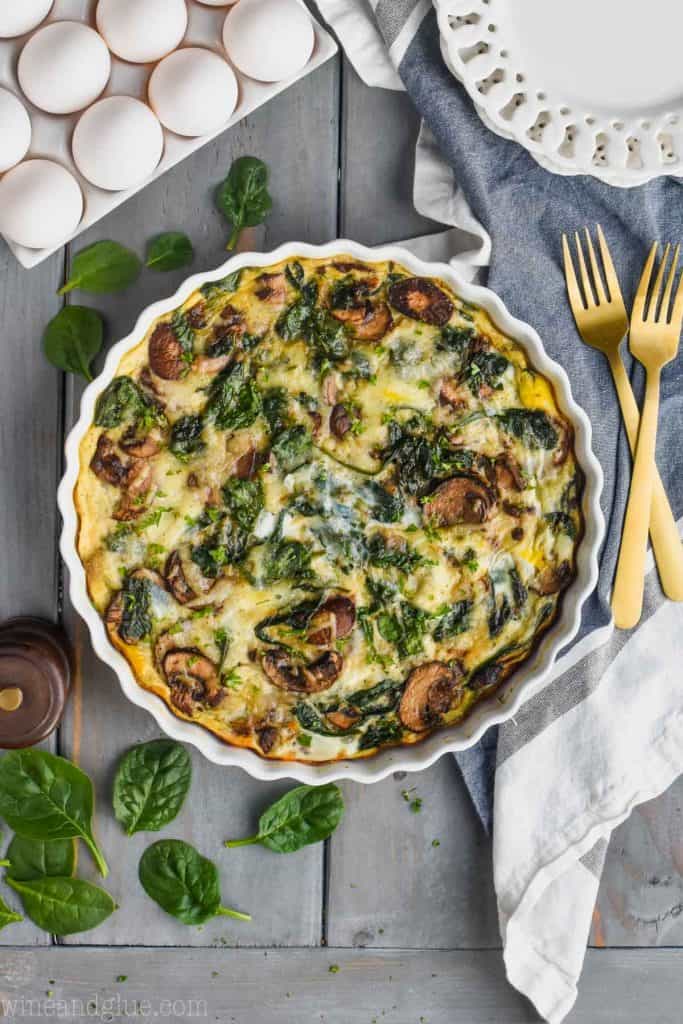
[(52, 134)]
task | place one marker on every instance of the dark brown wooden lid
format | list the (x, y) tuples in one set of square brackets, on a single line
[(35, 677)]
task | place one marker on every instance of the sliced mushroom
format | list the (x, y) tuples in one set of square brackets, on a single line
[(564, 443), (142, 447), (347, 266), (552, 580), (508, 474), (189, 672), (344, 718), (196, 317), (319, 675), (137, 484), (273, 288), (146, 381), (459, 500), (211, 364), (267, 738), (431, 690), (113, 616), (247, 465), (175, 578), (333, 621), (451, 393), (106, 464), (421, 299), (340, 421), (330, 389), (367, 322), (166, 353), (490, 675)]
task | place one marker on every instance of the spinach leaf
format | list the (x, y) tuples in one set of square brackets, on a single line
[(43, 796), (286, 560), (275, 404), (169, 251), (226, 547), (294, 273), (294, 620), (395, 555), (531, 426), (385, 507), (384, 696), (456, 340), (234, 400), (498, 616), (413, 456), (404, 628), (245, 500), (561, 522), (36, 858), (293, 323), (186, 437), (386, 730), (123, 400), (101, 268), (183, 883), (292, 448), (454, 621), (485, 369), (136, 618), (7, 915), (64, 906), (73, 338), (326, 336), (225, 286), (243, 197), (308, 718), (304, 815), (150, 785)]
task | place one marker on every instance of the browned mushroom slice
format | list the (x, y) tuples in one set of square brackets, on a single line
[(347, 266), (106, 464), (166, 353), (452, 393), (146, 381), (508, 474), (344, 718), (272, 288), (431, 690), (367, 322), (196, 317), (187, 668), (142, 447), (564, 443), (175, 577), (333, 621), (114, 613), (552, 580), (267, 738), (137, 484), (421, 299), (314, 678), (340, 421), (247, 465), (459, 500)]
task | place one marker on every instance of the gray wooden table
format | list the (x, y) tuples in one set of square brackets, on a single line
[(410, 924)]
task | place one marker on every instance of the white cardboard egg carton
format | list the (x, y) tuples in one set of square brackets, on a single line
[(51, 137)]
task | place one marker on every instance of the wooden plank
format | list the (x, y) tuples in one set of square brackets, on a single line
[(30, 431), (281, 986), (297, 135), (640, 902)]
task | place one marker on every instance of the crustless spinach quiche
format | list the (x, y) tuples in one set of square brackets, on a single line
[(326, 507)]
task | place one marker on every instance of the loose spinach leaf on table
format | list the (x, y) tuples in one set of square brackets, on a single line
[(36, 858), (183, 883), (43, 796), (64, 906), (306, 814), (73, 338), (169, 251), (150, 785), (101, 268), (7, 915), (243, 197)]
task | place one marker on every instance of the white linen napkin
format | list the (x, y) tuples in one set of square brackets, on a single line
[(605, 731)]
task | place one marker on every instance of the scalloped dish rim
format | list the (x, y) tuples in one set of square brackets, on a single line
[(528, 679)]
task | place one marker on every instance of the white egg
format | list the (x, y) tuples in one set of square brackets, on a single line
[(193, 91), (41, 204), (117, 143), (269, 40), (64, 67), (15, 130), (20, 16), (141, 31)]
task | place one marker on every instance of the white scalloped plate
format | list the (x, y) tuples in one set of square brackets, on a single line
[(529, 678), (587, 87)]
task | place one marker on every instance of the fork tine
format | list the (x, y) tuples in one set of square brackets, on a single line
[(653, 308), (597, 277), (585, 279), (610, 273), (641, 294), (575, 297), (677, 314), (666, 297)]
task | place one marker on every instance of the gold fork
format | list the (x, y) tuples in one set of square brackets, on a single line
[(602, 322), (655, 333)]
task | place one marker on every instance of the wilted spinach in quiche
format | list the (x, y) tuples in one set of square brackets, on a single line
[(327, 506)]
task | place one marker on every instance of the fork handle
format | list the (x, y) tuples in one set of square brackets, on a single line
[(666, 541), (627, 599)]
